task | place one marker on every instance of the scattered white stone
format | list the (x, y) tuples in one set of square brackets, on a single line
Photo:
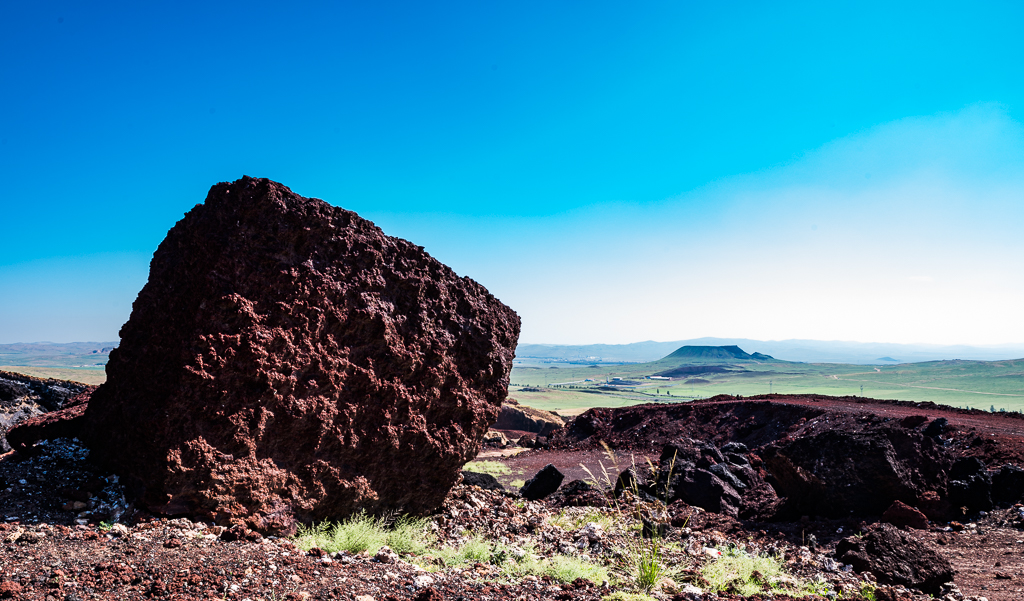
[(422, 581), (592, 532)]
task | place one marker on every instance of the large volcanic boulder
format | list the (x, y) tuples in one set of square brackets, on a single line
[(288, 361)]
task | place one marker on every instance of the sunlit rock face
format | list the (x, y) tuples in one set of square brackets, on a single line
[(288, 362)]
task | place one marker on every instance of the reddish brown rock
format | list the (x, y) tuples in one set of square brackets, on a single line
[(902, 515), (62, 423), (288, 361)]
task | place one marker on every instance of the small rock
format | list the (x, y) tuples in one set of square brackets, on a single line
[(690, 592), (902, 515), (118, 530), (592, 531), (896, 559), (545, 482), (484, 481), (31, 537), (385, 555), (422, 581)]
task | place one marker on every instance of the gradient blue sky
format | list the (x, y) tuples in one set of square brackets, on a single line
[(661, 171)]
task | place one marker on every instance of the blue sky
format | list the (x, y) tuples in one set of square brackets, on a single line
[(662, 171)]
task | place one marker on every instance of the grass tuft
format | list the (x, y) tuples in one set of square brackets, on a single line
[(367, 533), (742, 574)]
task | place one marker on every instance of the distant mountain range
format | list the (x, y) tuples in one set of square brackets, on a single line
[(807, 351)]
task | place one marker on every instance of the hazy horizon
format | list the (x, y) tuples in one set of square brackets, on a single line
[(848, 172)]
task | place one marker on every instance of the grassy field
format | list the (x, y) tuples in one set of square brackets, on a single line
[(573, 389), (85, 375), (77, 361), (977, 384)]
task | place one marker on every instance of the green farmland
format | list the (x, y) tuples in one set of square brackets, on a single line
[(976, 384)]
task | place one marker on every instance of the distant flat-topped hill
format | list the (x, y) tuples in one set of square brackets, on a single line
[(716, 354)]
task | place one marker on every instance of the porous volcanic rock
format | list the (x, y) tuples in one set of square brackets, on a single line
[(289, 361), (895, 557)]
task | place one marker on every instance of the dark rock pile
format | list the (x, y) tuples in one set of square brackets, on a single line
[(896, 558), (288, 361), (771, 460), (24, 397), (835, 473)]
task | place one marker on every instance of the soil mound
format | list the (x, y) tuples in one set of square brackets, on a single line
[(519, 418), (288, 361)]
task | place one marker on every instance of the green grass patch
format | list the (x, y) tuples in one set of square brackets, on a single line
[(514, 563), (621, 596), (366, 533), (572, 519), (743, 574), (494, 468)]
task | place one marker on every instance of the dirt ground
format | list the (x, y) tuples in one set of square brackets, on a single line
[(988, 556)]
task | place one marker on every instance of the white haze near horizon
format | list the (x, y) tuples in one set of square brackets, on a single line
[(910, 232)]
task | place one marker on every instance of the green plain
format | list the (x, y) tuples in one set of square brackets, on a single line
[(975, 384)]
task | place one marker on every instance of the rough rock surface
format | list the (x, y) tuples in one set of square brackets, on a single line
[(288, 361), (894, 557), (23, 397), (697, 473)]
